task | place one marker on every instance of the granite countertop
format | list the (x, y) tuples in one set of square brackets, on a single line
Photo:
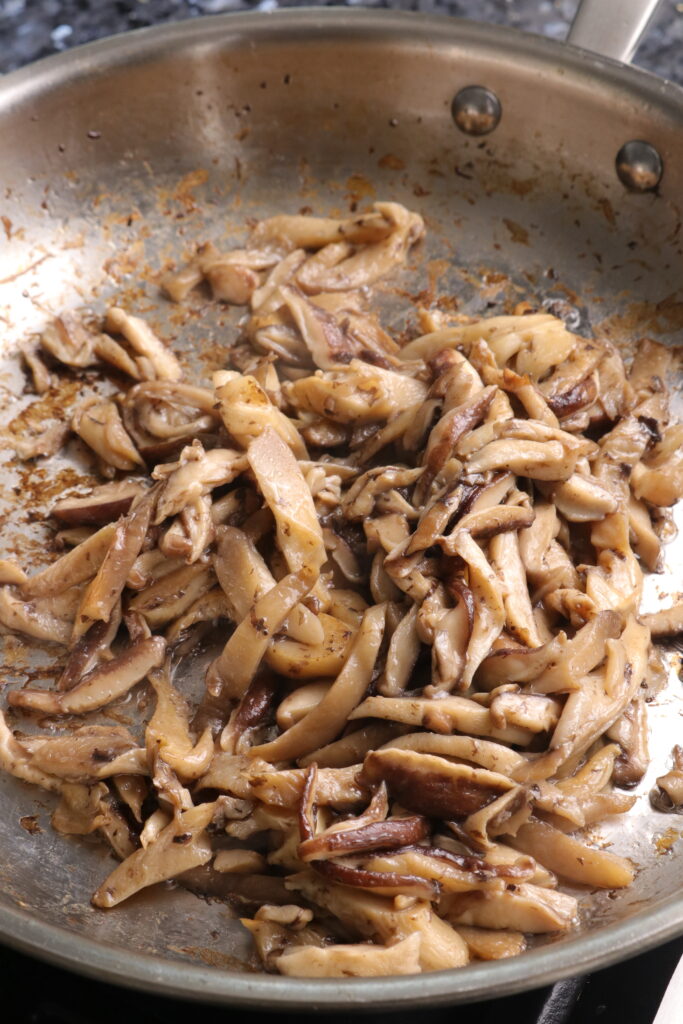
[(30, 29)]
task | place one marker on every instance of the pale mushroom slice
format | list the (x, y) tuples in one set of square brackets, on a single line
[(556, 666), (307, 232), (171, 595), (572, 859), (168, 731), (10, 573), (267, 298), (233, 670), (375, 917), (285, 490), (76, 566), (193, 476), (145, 343), (246, 411), (447, 432), (104, 591), (244, 577), (352, 747), (526, 908), (484, 753), (83, 756), (603, 696), (444, 715), (506, 561), (505, 336), (664, 623), (537, 460), (69, 341), (34, 618), (98, 422), (17, 761), (352, 961), (358, 393), (327, 719), (490, 944), (452, 872), (339, 788), (489, 609), (326, 342), (179, 846), (581, 499), (375, 259)]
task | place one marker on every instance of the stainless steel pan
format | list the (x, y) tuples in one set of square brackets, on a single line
[(116, 157)]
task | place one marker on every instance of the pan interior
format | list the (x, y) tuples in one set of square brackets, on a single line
[(118, 159)]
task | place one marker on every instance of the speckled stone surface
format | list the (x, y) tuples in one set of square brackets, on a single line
[(30, 29)]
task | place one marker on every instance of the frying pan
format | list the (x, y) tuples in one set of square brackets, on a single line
[(117, 157)]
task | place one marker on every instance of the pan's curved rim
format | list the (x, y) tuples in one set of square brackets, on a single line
[(107, 962)]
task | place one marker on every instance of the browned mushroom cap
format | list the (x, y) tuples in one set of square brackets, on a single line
[(385, 883), (378, 835), (103, 505), (431, 784)]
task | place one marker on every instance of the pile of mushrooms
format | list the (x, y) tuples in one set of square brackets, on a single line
[(421, 565)]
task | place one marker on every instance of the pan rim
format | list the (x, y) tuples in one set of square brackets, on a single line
[(106, 962)]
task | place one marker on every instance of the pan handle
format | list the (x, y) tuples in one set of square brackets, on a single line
[(612, 28)]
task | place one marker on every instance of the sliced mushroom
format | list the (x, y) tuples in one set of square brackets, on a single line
[(571, 858), (103, 505), (101, 686), (525, 908), (145, 343), (443, 715), (359, 961), (326, 720), (432, 784)]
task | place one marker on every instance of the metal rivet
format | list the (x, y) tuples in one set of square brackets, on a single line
[(476, 110), (639, 166)]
